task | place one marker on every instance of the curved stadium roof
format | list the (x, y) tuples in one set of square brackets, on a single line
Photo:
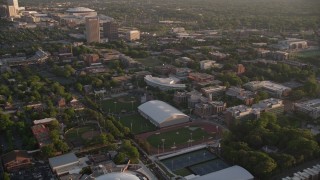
[(168, 82), (117, 176), (79, 9), (231, 173), (160, 111)]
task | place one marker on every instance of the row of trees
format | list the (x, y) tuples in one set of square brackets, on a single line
[(243, 145)]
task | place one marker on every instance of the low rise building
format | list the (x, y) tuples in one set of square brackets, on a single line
[(184, 61), (133, 35), (16, 160), (65, 163), (207, 64), (273, 89), (165, 69), (91, 58), (44, 121), (246, 96), (128, 62), (213, 91), (293, 44), (200, 77), (280, 55), (42, 135), (311, 108), (218, 55), (182, 73), (272, 105), (308, 173), (240, 112), (240, 69)]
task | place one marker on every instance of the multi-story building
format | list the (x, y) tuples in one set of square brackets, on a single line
[(200, 77), (165, 69), (182, 73), (293, 44), (13, 3), (218, 55), (213, 91), (272, 105), (203, 110), (180, 97), (246, 96), (133, 35), (206, 64), (92, 29), (240, 112), (240, 69), (311, 108), (164, 83), (16, 160), (3, 11), (280, 55), (91, 58), (183, 61), (128, 62), (273, 89), (194, 97), (13, 8), (218, 106), (110, 31), (210, 108)]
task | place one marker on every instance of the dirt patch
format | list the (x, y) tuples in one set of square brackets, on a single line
[(90, 135)]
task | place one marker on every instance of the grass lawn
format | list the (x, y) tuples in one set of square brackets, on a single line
[(150, 61), (126, 104), (139, 123), (178, 136), (75, 133), (306, 54)]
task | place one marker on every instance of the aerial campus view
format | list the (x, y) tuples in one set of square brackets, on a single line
[(160, 89)]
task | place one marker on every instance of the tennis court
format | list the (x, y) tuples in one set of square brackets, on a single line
[(208, 167), (198, 162)]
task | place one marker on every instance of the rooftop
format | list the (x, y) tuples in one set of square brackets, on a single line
[(118, 176), (79, 9), (62, 160), (160, 111), (231, 173)]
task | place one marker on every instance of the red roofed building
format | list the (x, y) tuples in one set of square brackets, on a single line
[(42, 134), (16, 160)]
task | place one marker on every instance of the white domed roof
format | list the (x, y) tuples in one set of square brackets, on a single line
[(118, 176), (79, 9)]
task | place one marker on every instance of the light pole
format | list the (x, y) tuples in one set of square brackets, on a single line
[(163, 140), (115, 106), (191, 139), (158, 148), (131, 125), (132, 106)]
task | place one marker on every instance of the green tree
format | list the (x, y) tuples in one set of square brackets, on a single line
[(48, 150), (120, 158), (6, 176), (61, 146)]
